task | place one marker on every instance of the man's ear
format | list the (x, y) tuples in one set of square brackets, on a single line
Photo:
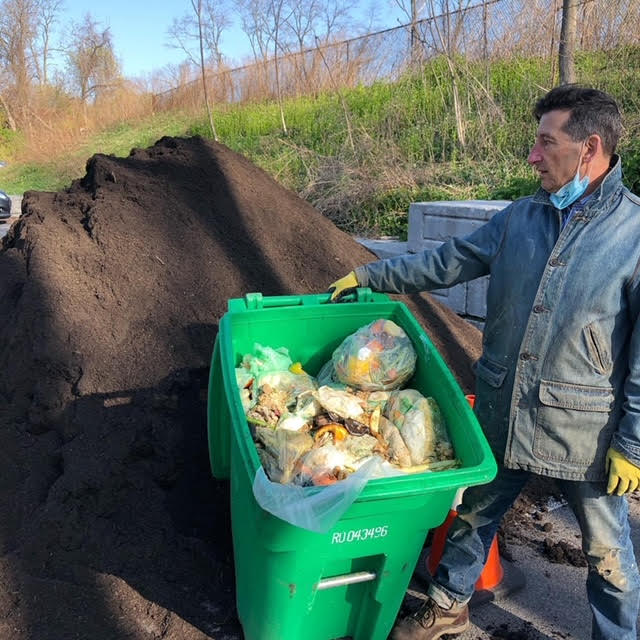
[(593, 147)]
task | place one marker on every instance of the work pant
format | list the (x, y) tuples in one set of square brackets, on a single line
[(613, 581)]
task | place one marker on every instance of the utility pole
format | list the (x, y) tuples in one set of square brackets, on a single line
[(567, 46)]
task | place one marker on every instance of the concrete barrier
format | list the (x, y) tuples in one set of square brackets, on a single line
[(431, 224)]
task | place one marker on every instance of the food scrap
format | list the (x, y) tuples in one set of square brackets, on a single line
[(316, 431)]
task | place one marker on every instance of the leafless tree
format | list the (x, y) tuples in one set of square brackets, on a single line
[(47, 15), (253, 17), (198, 10), (299, 26), (184, 32), (17, 32), (170, 76), (568, 42), (302, 21), (264, 22), (411, 9), (335, 19), (7, 116), (25, 48), (91, 61), (216, 20), (275, 10)]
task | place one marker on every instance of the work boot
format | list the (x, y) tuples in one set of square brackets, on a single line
[(431, 621)]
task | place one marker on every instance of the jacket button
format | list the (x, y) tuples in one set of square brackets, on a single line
[(525, 356), (538, 308)]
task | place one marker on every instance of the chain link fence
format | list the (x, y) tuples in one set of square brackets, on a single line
[(484, 31)]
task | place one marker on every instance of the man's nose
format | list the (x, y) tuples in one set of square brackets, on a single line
[(534, 155)]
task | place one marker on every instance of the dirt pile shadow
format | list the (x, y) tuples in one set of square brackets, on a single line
[(111, 295)]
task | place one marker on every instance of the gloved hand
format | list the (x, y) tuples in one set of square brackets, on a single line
[(343, 287), (624, 476)]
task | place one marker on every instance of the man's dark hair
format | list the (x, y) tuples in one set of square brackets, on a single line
[(592, 111)]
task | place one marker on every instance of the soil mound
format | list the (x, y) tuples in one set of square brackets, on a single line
[(111, 293)]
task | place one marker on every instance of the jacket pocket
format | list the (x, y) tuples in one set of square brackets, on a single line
[(581, 397), (596, 349), (574, 422), (491, 372), (492, 402)]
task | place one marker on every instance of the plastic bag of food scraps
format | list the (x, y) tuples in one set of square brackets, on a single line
[(327, 377), (264, 359), (280, 450), (322, 425), (422, 428), (320, 446), (310, 475), (314, 499), (271, 397), (260, 361), (377, 357)]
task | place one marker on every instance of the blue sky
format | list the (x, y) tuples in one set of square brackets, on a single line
[(139, 29)]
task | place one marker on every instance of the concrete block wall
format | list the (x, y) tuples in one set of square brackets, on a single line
[(432, 223)]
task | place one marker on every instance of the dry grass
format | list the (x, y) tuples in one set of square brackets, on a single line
[(60, 124)]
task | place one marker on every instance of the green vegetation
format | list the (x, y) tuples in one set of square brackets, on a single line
[(364, 154)]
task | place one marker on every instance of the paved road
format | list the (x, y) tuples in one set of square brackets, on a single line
[(553, 603)]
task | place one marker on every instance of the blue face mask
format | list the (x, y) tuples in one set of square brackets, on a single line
[(570, 192)]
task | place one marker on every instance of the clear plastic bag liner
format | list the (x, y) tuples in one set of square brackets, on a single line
[(314, 508)]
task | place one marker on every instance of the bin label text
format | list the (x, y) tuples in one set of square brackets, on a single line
[(366, 533)]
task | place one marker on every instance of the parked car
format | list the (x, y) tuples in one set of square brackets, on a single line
[(5, 206)]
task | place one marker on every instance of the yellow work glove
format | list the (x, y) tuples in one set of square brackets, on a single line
[(624, 476), (343, 287)]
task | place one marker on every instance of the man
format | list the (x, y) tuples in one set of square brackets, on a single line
[(558, 382)]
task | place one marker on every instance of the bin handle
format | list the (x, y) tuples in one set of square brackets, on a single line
[(345, 579), (256, 300)]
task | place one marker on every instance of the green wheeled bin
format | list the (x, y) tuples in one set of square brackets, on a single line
[(292, 583)]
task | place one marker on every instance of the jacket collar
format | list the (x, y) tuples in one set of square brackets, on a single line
[(607, 189)]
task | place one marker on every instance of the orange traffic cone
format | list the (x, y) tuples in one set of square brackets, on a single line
[(493, 572)]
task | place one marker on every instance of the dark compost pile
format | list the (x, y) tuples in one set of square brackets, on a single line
[(112, 290)]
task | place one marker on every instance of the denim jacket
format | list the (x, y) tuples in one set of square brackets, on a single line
[(558, 381)]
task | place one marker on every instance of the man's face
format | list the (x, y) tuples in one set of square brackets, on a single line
[(555, 155)]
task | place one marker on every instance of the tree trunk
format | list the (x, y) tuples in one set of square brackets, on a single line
[(415, 40), (276, 43), (10, 121), (567, 42), (212, 125), (552, 47), (485, 45)]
